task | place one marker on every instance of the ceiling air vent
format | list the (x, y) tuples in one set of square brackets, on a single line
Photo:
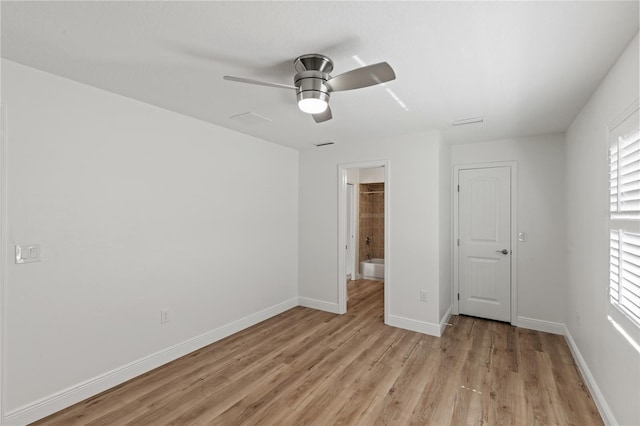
[(465, 121), (250, 118), (324, 143)]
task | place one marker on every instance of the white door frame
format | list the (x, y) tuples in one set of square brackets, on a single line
[(351, 227), (342, 217), (4, 255), (513, 166), (355, 230)]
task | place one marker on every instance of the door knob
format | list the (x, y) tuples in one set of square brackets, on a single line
[(503, 251)]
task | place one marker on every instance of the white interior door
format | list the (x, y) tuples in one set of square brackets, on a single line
[(484, 230)]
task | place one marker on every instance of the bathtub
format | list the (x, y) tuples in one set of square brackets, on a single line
[(372, 269)]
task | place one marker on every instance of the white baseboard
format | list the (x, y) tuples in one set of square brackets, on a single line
[(414, 325), (598, 397), (445, 320), (541, 325), (38, 409), (320, 305)]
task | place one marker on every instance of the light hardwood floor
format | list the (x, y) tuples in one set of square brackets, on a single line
[(311, 367)]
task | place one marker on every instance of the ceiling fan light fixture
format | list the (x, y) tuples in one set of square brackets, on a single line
[(312, 105), (313, 102)]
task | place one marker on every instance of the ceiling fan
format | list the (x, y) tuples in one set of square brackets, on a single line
[(313, 83)]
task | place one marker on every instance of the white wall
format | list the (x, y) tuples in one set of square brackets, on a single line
[(611, 360), (540, 213), (137, 209), (445, 231), (414, 223)]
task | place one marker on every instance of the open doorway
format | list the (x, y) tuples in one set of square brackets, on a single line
[(363, 243)]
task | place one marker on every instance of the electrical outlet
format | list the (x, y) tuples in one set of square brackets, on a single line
[(28, 253), (423, 296), (164, 316)]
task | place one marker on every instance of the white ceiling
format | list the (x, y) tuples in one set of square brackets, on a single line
[(527, 67)]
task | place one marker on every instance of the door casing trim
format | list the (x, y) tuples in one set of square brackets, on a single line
[(513, 167)]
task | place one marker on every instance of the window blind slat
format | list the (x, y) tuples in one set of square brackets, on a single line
[(631, 147), (624, 284), (631, 301), (629, 176), (629, 139), (624, 174), (631, 290)]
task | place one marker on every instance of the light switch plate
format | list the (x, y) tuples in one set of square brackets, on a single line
[(522, 236), (28, 253)]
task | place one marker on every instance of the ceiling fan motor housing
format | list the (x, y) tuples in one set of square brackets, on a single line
[(313, 73), (311, 84), (313, 62)]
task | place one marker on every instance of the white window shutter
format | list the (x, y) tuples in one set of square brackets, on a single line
[(624, 241)]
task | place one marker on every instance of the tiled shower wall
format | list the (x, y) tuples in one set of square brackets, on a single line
[(371, 221)]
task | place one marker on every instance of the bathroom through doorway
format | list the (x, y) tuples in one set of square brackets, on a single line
[(364, 228)]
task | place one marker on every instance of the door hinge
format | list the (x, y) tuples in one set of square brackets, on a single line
[(458, 188), (458, 296), (458, 242)]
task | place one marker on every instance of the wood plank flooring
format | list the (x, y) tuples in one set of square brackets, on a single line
[(311, 367)]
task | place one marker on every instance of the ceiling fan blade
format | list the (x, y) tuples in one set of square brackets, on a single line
[(362, 77), (258, 82), (323, 116)]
